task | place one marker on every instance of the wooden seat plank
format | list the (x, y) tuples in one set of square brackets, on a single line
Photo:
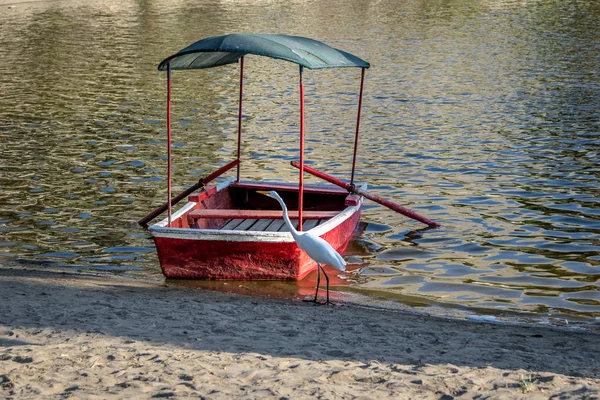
[(291, 187), (258, 214), (255, 214)]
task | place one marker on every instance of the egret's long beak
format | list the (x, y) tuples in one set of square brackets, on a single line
[(262, 192)]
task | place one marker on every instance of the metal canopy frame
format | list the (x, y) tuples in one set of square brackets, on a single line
[(238, 160)]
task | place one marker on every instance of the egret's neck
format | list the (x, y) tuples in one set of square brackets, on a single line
[(286, 218)]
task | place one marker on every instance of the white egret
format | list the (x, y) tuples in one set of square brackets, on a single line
[(316, 248)]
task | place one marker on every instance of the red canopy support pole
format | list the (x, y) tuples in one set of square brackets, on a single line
[(169, 167), (301, 185), (360, 97), (239, 145)]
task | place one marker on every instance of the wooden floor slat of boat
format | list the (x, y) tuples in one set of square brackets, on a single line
[(262, 224), (267, 225), (231, 224), (274, 226), (309, 224), (285, 228), (246, 225)]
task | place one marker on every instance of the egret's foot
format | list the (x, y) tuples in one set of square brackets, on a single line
[(328, 303), (318, 303)]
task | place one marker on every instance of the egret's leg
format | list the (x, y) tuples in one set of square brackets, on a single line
[(318, 281), (318, 284), (326, 280)]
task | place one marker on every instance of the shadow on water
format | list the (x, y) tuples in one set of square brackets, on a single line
[(239, 324)]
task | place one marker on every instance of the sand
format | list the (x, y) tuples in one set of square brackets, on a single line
[(90, 337)]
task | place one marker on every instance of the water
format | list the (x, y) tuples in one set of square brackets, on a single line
[(481, 115)]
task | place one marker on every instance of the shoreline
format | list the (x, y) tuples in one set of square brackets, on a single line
[(86, 336)]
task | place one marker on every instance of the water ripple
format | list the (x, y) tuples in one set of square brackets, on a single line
[(480, 115)]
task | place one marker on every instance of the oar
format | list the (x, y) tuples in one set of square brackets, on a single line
[(203, 181), (389, 204)]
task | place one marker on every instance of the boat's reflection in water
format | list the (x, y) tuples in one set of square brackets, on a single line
[(284, 290)]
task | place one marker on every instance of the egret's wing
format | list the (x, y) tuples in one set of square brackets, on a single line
[(341, 259), (319, 250)]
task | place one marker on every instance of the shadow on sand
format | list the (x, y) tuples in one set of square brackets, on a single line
[(212, 321)]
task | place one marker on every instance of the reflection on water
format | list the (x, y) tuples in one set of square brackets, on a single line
[(482, 115)]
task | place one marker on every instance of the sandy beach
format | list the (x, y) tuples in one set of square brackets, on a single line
[(89, 337)]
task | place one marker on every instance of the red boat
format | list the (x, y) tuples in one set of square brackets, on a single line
[(229, 231)]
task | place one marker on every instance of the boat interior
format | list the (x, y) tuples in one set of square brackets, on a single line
[(239, 207)]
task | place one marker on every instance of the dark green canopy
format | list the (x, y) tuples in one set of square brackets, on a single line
[(221, 50)]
